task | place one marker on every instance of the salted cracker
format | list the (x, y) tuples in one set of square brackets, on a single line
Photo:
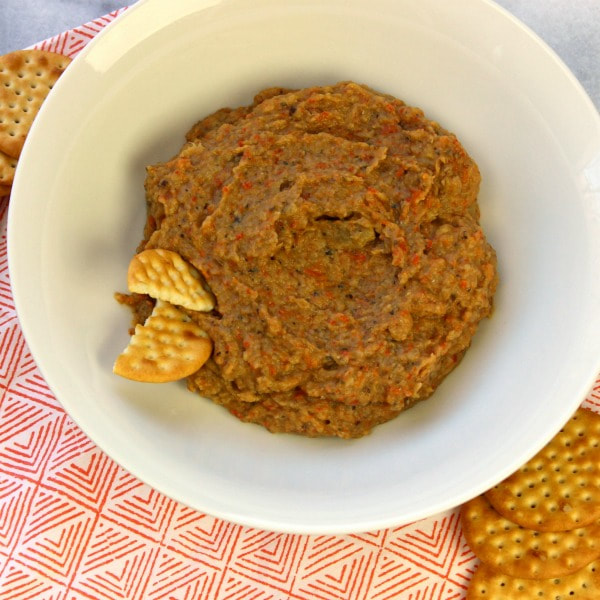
[(8, 166), (559, 488), (487, 584), (26, 78), (164, 275), (167, 347), (518, 552)]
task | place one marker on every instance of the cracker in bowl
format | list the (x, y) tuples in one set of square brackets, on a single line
[(164, 275), (167, 347)]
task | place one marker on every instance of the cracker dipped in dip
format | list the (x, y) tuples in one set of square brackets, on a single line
[(338, 230)]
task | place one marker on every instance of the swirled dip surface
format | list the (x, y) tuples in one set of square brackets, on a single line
[(339, 231)]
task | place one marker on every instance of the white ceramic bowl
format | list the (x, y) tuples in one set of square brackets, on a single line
[(77, 212)]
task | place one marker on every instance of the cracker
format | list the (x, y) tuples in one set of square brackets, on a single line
[(164, 275), (8, 166), (490, 585), (26, 78), (559, 488), (519, 552), (167, 347)]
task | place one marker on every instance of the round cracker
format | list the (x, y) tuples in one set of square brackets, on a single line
[(167, 347), (513, 550), (8, 166), (26, 78), (164, 275), (559, 488), (487, 584)]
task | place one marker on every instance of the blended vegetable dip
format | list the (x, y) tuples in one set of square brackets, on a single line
[(339, 231)]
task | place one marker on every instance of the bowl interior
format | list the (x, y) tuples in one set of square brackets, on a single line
[(78, 210)]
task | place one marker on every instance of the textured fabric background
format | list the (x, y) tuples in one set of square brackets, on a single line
[(25, 22)]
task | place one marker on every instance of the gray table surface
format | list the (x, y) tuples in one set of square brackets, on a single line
[(570, 27)]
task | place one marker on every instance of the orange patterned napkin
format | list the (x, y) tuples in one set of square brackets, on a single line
[(74, 525)]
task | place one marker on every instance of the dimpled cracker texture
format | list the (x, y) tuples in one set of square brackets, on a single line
[(8, 166), (518, 552), (559, 488), (164, 275), (487, 584), (167, 347), (26, 78)]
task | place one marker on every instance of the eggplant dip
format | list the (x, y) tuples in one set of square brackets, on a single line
[(338, 230)]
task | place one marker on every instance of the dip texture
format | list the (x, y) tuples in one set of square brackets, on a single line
[(338, 230)]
